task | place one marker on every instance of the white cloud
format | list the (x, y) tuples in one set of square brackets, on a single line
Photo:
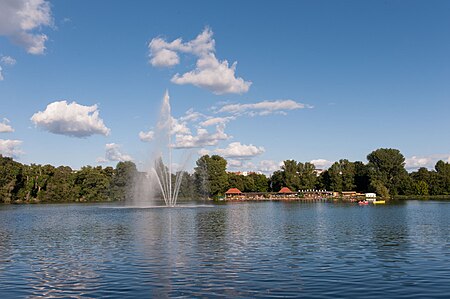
[(146, 136), (10, 148), (114, 154), (211, 121), (20, 19), (415, 162), (209, 73), (179, 127), (164, 58), (321, 163), (203, 152), (5, 127), (191, 116), (237, 150), (203, 138), (263, 108), (268, 166), (72, 119), (234, 163), (8, 60), (213, 75)]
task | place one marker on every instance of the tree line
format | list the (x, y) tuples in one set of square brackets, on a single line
[(384, 174), (46, 183)]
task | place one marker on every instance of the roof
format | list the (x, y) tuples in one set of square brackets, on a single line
[(285, 190), (233, 191)]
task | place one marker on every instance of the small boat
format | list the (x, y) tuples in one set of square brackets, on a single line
[(378, 202), (363, 202)]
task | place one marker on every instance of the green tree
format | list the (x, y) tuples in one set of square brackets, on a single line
[(362, 179), (260, 181), (11, 179), (291, 178), (235, 181), (276, 181), (187, 187), (307, 176), (442, 177), (342, 176), (421, 188), (211, 176), (387, 168), (92, 184), (60, 186), (122, 180)]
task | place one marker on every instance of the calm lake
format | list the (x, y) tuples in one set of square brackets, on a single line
[(245, 250)]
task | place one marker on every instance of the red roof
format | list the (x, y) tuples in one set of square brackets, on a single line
[(285, 190), (233, 191)]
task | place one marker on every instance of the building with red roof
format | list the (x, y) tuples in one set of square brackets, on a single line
[(233, 193)]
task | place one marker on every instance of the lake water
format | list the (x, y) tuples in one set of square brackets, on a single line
[(245, 250)]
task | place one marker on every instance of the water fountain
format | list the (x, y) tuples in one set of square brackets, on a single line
[(169, 186)]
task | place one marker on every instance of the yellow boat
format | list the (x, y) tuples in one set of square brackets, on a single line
[(378, 202)]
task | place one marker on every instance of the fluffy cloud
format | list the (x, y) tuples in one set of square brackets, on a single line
[(72, 119), (7, 60), (20, 19), (191, 116), (415, 162), (213, 75), (5, 127), (146, 136), (210, 73), (114, 154), (237, 150), (212, 121), (262, 108), (10, 148), (234, 163), (179, 127), (203, 138), (321, 163), (203, 152), (269, 166)]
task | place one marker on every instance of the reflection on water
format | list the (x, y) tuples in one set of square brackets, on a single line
[(268, 249)]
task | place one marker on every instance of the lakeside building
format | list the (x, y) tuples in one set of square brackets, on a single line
[(285, 194), (234, 194), (317, 194)]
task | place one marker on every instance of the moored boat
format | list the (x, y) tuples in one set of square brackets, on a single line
[(378, 202)]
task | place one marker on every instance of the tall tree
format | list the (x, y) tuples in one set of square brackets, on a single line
[(291, 178), (261, 182), (387, 168), (122, 180), (307, 176), (211, 176)]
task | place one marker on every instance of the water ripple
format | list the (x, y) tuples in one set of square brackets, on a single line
[(254, 250)]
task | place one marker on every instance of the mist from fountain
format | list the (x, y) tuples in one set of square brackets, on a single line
[(161, 171)]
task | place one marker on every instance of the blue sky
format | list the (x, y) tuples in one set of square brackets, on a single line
[(314, 80)]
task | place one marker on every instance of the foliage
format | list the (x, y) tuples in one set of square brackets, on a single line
[(384, 174), (45, 183), (211, 178), (253, 182), (387, 168)]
